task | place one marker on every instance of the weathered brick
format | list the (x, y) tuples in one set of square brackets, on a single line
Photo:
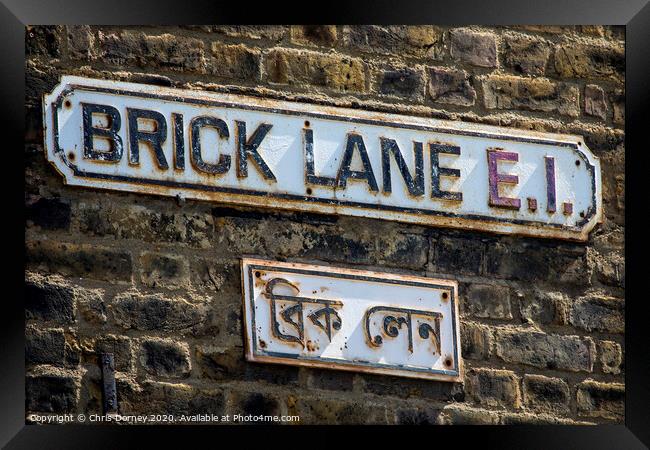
[(493, 388), (458, 414), (544, 393), (165, 51), (331, 380), (156, 397), (139, 222), (52, 389), (44, 346), (315, 35), (234, 61), (332, 71), (526, 54), (228, 363), (475, 340), (255, 403), (486, 301), (527, 261), (458, 255), (402, 82), (81, 42), (407, 251), (400, 40), (530, 94), (547, 351), (595, 103), (344, 412), (393, 386), (91, 305), (139, 311), (120, 347), (48, 299), (598, 313), (50, 214), (450, 86), (165, 358), (611, 357), (610, 270), (473, 47), (82, 260), (417, 416), (542, 307), (171, 271), (604, 400), (579, 60)]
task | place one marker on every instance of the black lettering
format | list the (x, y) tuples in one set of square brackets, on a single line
[(154, 138), (415, 184), (437, 171), (356, 141), (308, 139), (223, 165), (246, 149), (109, 133)]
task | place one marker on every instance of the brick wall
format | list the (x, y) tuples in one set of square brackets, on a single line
[(157, 282)]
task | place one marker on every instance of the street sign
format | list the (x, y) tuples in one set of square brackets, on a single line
[(358, 320), (307, 157)]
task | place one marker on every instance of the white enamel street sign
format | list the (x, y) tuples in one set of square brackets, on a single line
[(306, 157), (322, 316)]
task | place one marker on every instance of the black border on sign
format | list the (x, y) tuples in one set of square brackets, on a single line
[(374, 279), (56, 105), (635, 14)]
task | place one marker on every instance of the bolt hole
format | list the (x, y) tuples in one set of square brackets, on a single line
[(71, 156), (448, 362), (309, 191), (582, 214), (257, 274), (68, 103), (307, 123), (445, 295), (577, 162)]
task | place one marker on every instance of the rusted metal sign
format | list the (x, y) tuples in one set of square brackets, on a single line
[(322, 316), (306, 157)]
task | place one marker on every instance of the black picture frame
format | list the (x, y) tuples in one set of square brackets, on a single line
[(16, 14)]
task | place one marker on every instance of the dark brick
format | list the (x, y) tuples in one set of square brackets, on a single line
[(81, 42), (593, 313), (319, 35), (595, 102), (120, 347), (49, 389), (544, 393), (258, 404), (402, 82), (155, 312), (605, 400), (463, 415), (50, 214), (547, 351), (44, 346), (330, 380), (486, 301), (327, 411), (417, 416), (268, 32), (541, 307), (83, 260), (475, 340), (43, 41), (164, 270), (165, 358), (450, 86), (459, 256), (472, 47), (48, 301), (494, 387), (407, 251)]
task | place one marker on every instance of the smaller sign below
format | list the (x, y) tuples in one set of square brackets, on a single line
[(356, 320)]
